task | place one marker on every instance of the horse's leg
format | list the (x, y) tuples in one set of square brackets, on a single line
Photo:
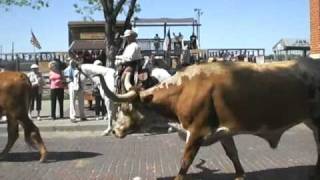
[(13, 134), (231, 151), (108, 116)]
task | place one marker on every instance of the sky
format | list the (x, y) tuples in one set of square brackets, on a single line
[(225, 23)]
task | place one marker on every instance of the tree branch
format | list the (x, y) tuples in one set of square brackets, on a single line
[(110, 5), (130, 14), (106, 9), (118, 8)]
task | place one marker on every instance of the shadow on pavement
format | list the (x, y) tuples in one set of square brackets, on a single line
[(52, 156), (292, 173)]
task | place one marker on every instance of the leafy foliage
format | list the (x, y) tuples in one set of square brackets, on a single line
[(110, 9), (88, 7), (85, 7), (34, 4)]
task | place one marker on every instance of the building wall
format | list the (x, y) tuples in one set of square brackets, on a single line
[(315, 28)]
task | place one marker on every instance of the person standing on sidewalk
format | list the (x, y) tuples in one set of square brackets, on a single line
[(75, 87), (37, 83), (99, 102), (56, 88)]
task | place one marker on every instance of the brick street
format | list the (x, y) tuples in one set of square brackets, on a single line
[(85, 155)]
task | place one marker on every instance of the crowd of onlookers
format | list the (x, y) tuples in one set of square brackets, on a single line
[(61, 78)]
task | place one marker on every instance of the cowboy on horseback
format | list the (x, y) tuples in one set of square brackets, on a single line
[(131, 60)]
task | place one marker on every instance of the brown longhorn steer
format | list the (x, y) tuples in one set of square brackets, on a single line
[(15, 92), (214, 102)]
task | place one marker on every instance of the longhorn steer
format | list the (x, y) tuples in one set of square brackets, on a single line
[(91, 70), (15, 94), (214, 102)]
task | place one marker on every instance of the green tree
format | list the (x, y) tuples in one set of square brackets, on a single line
[(110, 8)]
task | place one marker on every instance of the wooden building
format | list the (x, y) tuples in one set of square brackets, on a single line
[(287, 49), (315, 28), (87, 39)]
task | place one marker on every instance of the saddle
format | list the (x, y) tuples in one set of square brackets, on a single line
[(141, 77)]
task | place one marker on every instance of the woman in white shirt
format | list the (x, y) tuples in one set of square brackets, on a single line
[(37, 82)]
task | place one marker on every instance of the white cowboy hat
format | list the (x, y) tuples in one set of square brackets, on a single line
[(97, 62), (128, 33), (34, 66)]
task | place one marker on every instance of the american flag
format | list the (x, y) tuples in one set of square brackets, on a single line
[(34, 41)]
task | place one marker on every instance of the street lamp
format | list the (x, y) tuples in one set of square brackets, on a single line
[(199, 13)]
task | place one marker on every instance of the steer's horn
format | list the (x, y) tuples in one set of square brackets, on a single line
[(127, 97), (127, 83)]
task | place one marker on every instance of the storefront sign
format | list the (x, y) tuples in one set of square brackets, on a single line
[(92, 36)]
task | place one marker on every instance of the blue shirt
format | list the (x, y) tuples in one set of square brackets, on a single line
[(69, 72)]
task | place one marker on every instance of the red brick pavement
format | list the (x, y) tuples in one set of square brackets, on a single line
[(74, 157)]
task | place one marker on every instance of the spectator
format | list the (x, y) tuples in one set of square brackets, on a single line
[(37, 83), (177, 44), (56, 88), (75, 87), (99, 106), (193, 41), (156, 43)]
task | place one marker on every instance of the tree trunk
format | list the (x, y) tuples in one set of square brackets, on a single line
[(112, 44), (111, 49), (132, 6)]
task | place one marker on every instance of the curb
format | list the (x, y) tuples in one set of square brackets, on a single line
[(56, 127), (65, 125)]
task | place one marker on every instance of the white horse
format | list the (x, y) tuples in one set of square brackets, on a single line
[(91, 70)]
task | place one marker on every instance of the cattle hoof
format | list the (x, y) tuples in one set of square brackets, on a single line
[(179, 177), (43, 158), (106, 132), (239, 178)]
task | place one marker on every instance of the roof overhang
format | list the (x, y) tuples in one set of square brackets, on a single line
[(79, 45), (165, 21)]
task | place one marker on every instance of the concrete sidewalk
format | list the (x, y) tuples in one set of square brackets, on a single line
[(64, 125), (47, 124)]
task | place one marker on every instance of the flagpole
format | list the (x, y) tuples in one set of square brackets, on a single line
[(34, 54), (16, 61)]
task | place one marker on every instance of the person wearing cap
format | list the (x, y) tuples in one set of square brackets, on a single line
[(131, 58), (75, 87), (37, 83), (132, 51)]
